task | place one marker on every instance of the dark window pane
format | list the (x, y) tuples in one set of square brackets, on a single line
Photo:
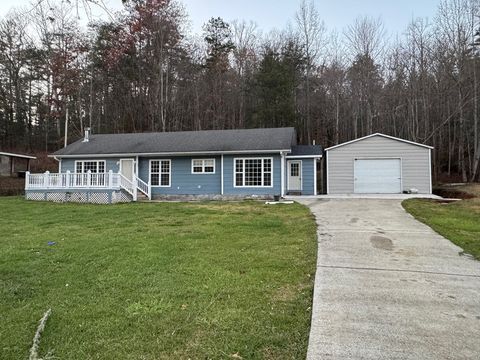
[(165, 178), (239, 166), (294, 169), (267, 179), (253, 172), (239, 180), (155, 178), (165, 167)]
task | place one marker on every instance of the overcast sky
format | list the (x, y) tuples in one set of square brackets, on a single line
[(269, 14)]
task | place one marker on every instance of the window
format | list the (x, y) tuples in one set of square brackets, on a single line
[(253, 172), (160, 171), (94, 166), (203, 166), (294, 169)]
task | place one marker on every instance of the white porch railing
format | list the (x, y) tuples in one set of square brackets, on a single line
[(128, 186), (70, 180), (88, 180), (144, 188)]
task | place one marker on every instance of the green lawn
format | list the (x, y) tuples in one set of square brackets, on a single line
[(206, 280), (458, 221)]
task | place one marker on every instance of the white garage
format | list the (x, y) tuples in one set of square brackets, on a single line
[(378, 164)]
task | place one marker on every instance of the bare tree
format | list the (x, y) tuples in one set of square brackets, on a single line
[(367, 37), (311, 30)]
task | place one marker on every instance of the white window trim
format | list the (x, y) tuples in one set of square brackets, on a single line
[(169, 174), (243, 181), (83, 165), (203, 167)]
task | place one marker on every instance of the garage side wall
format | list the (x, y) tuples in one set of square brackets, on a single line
[(415, 163)]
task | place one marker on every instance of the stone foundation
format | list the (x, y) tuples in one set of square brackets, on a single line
[(211, 197)]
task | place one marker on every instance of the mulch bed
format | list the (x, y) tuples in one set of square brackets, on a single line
[(452, 194)]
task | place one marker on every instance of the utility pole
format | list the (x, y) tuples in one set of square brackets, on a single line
[(66, 125)]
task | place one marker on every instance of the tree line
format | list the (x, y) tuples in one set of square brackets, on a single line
[(143, 70)]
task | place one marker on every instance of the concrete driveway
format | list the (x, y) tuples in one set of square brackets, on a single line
[(389, 287)]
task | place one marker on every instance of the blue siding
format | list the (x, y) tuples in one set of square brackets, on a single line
[(228, 175), (183, 182), (110, 164), (308, 169)]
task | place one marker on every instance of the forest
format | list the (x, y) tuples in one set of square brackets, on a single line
[(142, 69)]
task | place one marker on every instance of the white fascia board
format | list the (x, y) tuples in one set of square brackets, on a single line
[(195, 153), (378, 134), (17, 155), (304, 156)]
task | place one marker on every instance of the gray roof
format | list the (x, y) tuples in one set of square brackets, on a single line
[(306, 150), (184, 142)]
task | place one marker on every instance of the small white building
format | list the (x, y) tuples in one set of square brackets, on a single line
[(379, 164)]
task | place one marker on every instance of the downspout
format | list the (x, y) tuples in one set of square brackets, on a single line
[(59, 164), (136, 167), (282, 174), (221, 175)]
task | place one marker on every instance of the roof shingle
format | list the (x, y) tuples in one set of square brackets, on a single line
[(184, 142), (299, 150)]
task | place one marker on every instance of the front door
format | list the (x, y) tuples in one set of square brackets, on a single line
[(127, 168), (295, 175)]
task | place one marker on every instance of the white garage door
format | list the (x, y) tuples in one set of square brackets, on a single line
[(377, 176)]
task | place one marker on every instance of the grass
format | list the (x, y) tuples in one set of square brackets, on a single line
[(156, 280), (457, 221)]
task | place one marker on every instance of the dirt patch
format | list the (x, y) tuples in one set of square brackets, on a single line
[(271, 354), (288, 292), (381, 242), (453, 193)]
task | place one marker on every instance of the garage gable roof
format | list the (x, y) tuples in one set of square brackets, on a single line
[(379, 134)]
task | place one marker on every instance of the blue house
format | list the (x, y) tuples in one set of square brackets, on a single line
[(212, 164)]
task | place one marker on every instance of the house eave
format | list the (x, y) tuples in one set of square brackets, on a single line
[(304, 156), (21, 156), (187, 153)]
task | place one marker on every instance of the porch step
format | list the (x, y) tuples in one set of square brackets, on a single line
[(141, 196), (294, 192)]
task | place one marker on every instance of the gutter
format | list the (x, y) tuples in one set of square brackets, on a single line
[(172, 153), (304, 156)]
